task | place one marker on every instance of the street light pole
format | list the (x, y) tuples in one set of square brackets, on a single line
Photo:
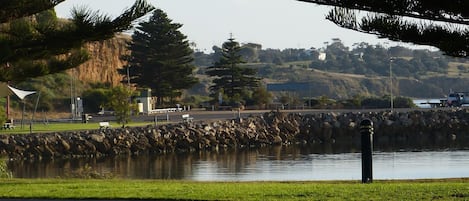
[(8, 98), (128, 84), (128, 77), (390, 80)]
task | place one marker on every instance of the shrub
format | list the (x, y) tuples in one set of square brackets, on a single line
[(4, 172), (3, 116)]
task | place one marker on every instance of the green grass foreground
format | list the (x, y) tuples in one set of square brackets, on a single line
[(450, 189)]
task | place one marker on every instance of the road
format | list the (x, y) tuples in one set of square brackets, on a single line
[(202, 115), (197, 115)]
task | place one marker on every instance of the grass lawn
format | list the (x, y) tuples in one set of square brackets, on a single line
[(65, 126), (450, 189)]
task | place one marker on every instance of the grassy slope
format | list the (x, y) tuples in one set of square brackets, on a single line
[(456, 189), (348, 85), (453, 70)]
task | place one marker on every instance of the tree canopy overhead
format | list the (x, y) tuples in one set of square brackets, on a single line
[(33, 42), (442, 24)]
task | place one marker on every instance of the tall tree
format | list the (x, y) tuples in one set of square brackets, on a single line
[(160, 58), (229, 76), (33, 42), (442, 24)]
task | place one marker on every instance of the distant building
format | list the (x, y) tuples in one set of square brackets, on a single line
[(145, 102)]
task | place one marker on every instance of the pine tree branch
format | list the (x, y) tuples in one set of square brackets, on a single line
[(15, 9), (455, 11), (87, 26), (451, 40)]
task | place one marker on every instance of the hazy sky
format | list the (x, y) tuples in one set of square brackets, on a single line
[(275, 24)]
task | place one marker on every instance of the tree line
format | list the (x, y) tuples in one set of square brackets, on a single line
[(362, 58)]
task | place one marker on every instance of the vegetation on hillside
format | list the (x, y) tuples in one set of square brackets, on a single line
[(362, 59), (362, 69)]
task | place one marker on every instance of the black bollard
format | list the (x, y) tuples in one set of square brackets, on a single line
[(366, 131)]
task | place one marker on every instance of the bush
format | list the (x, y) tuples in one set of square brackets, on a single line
[(376, 102), (403, 102), (3, 116), (95, 99), (384, 102), (4, 172)]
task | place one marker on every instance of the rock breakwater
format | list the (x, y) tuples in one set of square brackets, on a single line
[(414, 129)]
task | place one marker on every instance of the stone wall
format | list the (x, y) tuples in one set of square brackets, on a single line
[(414, 130)]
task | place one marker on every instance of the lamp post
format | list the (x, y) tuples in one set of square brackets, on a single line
[(128, 76), (128, 84), (72, 97), (390, 81), (8, 98)]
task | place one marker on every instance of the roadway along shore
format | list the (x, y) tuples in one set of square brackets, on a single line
[(204, 115)]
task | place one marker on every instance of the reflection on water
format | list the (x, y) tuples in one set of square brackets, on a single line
[(274, 163)]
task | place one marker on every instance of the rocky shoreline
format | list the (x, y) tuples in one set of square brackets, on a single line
[(415, 129)]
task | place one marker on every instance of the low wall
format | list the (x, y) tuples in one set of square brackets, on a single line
[(415, 129)]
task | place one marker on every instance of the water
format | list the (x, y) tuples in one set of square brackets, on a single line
[(272, 164)]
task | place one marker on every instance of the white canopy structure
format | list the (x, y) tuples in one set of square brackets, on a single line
[(6, 90)]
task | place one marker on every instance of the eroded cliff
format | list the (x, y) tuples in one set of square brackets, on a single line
[(104, 62)]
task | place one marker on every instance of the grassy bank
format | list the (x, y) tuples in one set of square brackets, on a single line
[(451, 189)]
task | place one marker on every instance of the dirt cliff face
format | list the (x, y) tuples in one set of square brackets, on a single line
[(104, 62)]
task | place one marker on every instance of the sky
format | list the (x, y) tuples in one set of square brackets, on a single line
[(276, 24)]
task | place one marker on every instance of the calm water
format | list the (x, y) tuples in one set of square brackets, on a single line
[(278, 163)]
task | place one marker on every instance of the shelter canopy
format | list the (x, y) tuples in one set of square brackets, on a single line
[(6, 90)]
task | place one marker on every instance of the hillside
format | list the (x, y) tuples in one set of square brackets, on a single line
[(314, 83), (296, 77)]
